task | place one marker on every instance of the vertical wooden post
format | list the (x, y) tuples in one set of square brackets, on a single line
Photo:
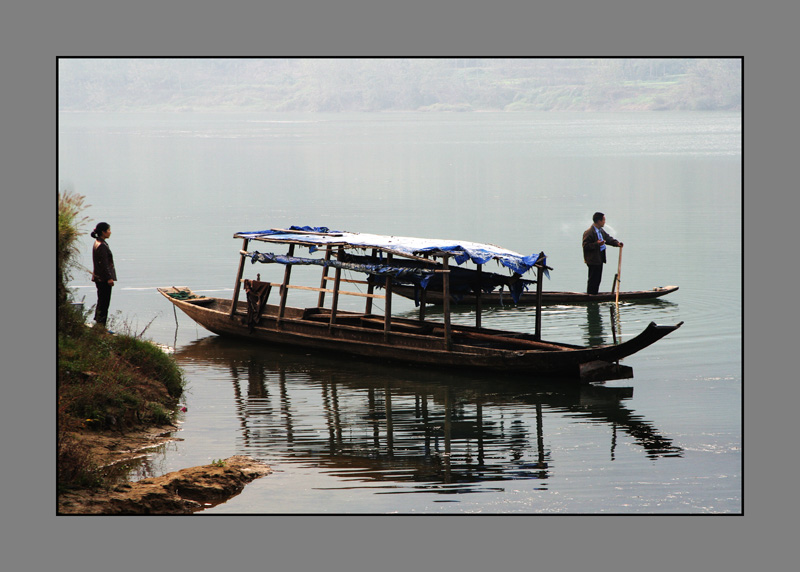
[(238, 285), (448, 340), (324, 282), (478, 292), (539, 276), (371, 287), (336, 283), (285, 286), (387, 313), (423, 298)]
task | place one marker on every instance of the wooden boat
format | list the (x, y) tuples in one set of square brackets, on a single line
[(502, 298), (387, 337)]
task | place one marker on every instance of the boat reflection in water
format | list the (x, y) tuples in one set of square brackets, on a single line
[(600, 316), (393, 424)]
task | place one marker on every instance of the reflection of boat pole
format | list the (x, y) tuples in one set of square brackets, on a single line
[(425, 424), (240, 405), (613, 440), (373, 414), (387, 397), (285, 411), (337, 418), (329, 420), (479, 420), (539, 433), (447, 435)]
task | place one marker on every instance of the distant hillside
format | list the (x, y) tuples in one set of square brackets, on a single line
[(332, 85)]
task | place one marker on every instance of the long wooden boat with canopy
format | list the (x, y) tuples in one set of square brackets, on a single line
[(386, 261)]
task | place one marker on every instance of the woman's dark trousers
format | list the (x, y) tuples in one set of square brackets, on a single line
[(103, 301)]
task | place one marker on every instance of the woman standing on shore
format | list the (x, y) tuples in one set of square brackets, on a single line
[(103, 272)]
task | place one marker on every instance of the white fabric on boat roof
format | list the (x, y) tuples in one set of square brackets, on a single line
[(401, 245)]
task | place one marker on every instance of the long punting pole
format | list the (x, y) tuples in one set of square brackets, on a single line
[(448, 340), (539, 274), (613, 324), (619, 273), (239, 273)]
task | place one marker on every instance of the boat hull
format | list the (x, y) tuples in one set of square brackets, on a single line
[(419, 343), (529, 298)]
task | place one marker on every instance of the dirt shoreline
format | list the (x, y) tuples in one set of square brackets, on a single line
[(186, 491)]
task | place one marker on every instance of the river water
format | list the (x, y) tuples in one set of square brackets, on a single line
[(350, 437)]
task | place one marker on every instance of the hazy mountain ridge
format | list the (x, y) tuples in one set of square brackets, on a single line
[(332, 85)]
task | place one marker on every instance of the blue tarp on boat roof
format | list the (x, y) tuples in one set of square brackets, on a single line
[(417, 276), (316, 237)]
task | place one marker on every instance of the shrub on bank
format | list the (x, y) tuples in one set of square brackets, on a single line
[(106, 377), (108, 382)]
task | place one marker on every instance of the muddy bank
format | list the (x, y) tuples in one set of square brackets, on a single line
[(181, 492)]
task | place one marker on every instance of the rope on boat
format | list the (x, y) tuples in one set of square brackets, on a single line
[(182, 295)]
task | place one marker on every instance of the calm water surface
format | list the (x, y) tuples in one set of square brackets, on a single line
[(348, 437)]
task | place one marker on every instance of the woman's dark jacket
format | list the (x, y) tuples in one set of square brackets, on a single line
[(103, 264)]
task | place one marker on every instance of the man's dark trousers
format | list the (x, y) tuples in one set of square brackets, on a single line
[(595, 275)]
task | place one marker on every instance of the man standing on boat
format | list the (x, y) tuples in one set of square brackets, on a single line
[(595, 240)]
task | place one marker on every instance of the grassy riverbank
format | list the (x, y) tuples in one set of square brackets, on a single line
[(118, 395), (107, 383)]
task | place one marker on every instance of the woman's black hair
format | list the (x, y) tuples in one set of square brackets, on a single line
[(99, 229)]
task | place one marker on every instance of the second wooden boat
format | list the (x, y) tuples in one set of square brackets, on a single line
[(504, 298)]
